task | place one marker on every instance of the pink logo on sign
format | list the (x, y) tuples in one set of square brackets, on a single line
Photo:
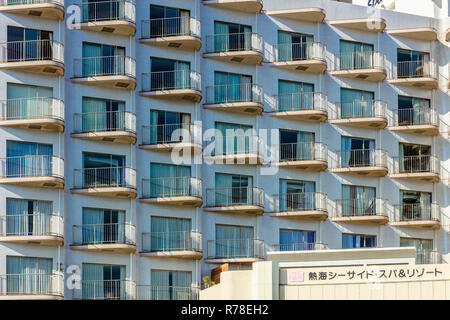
[(296, 276)]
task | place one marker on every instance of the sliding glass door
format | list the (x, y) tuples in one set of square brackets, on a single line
[(27, 159), (296, 240), (171, 285), (29, 44), (28, 102), (28, 275), (234, 241), (233, 190), (413, 111), (165, 124), (170, 234), (297, 195), (168, 180), (294, 46), (355, 55), (103, 226), (356, 104), (357, 152), (101, 60), (103, 282), (232, 37), (28, 217), (103, 169), (358, 201)]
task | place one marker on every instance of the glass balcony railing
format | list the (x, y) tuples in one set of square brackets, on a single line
[(236, 248), (416, 164), (104, 66), (107, 177), (106, 290), (109, 10), (361, 158), (157, 292), (415, 116), (305, 201), (234, 93), (170, 27), (285, 52), (229, 42), (172, 241), (32, 284), (89, 122), (361, 207), (31, 51), (171, 187), (109, 233), (347, 61), (32, 108), (300, 101), (33, 225), (417, 212), (303, 151), (361, 109), (32, 166), (171, 80), (237, 196)]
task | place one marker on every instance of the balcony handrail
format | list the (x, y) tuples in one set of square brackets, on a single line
[(284, 52), (106, 290), (303, 151), (300, 101), (227, 42), (170, 27), (117, 10), (236, 144), (361, 207), (118, 65), (104, 121), (361, 109), (361, 158), (32, 108), (32, 166), (172, 241), (234, 196), (416, 164), (234, 93), (167, 133), (171, 187), (415, 116), (158, 292), (415, 69), (43, 224), (104, 233), (360, 60), (29, 2), (32, 284), (106, 177), (303, 201), (417, 212), (31, 50), (424, 256), (171, 80), (235, 248)]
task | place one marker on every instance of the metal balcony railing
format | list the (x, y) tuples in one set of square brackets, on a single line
[(32, 166), (428, 257), (170, 27), (106, 290), (284, 52), (171, 187), (417, 212), (360, 61), (172, 241), (32, 284), (29, 2), (166, 133), (104, 66), (234, 93), (171, 80), (300, 101), (235, 248), (361, 109), (107, 177), (156, 292), (414, 69), (299, 246), (416, 164), (361, 158), (303, 151), (108, 233), (38, 224), (235, 144), (245, 41), (361, 207), (415, 116), (104, 122), (109, 10), (305, 201), (31, 50), (32, 108), (237, 196)]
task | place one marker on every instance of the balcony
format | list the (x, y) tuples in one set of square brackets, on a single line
[(310, 156), (367, 162), (361, 211), (428, 257), (316, 15), (105, 290), (236, 149), (367, 65), (111, 237), (110, 126), (176, 32), (40, 229), (114, 72), (33, 113), (154, 292), (418, 120), (113, 182), (299, 246), (420, 168), (175, 191), (235, 47), (30, 286), (306, 205), (177, 244), (114, 16), (243, 98), (376, 25), (416, 215), (425, 34), (33, 171), (235, 251), (235, 200), (419, 74), (250, 6), (47, 9), (363, 113), (178, 85), (305, 57), (35, 56), (307, 106), (170, 137)]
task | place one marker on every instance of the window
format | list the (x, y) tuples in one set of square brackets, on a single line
[(169, 127), (232, 37), (103, 282), (170, 234), (103, 226), (101, 60), (294, 95), (296, 240), (415, 205), (28, 159), (414, 157), (29, 44), (297, 195), (353, 241), (233, 139), (28, 102), (296, 145), (102, 115), (169, 74), (355, 55), (103, 169), (424, 248), (357, 152), (411, 64), (26, 275), (234, 241), (103, 10), (166, 22), (356, 104), (413, 111), (294, 46), (358, 201), (171, 285), (28, 217), (231, 87), (168, 180), (233, 190)]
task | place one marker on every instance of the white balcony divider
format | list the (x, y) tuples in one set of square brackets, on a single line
[(104, 66), (31, 225), (235, 196), (417, 212), (361, 207), (171, 80), (32, 108), (235, 248), (31, 51), (108, 177), (170, 27), (246, 41), (415, 116), (32, 166), (360, 61), (285, 52), (416, 164), (361, 109), (29, 2), (104, 122), (300, 101), (303, 151), (122, 10), (106, 290), (155, 292), (361, 158), (172, 241), (305, 201), (414, 69), (234, 93), (32, 284)]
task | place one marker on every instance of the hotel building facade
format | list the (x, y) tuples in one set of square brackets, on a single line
[(331, 131)]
